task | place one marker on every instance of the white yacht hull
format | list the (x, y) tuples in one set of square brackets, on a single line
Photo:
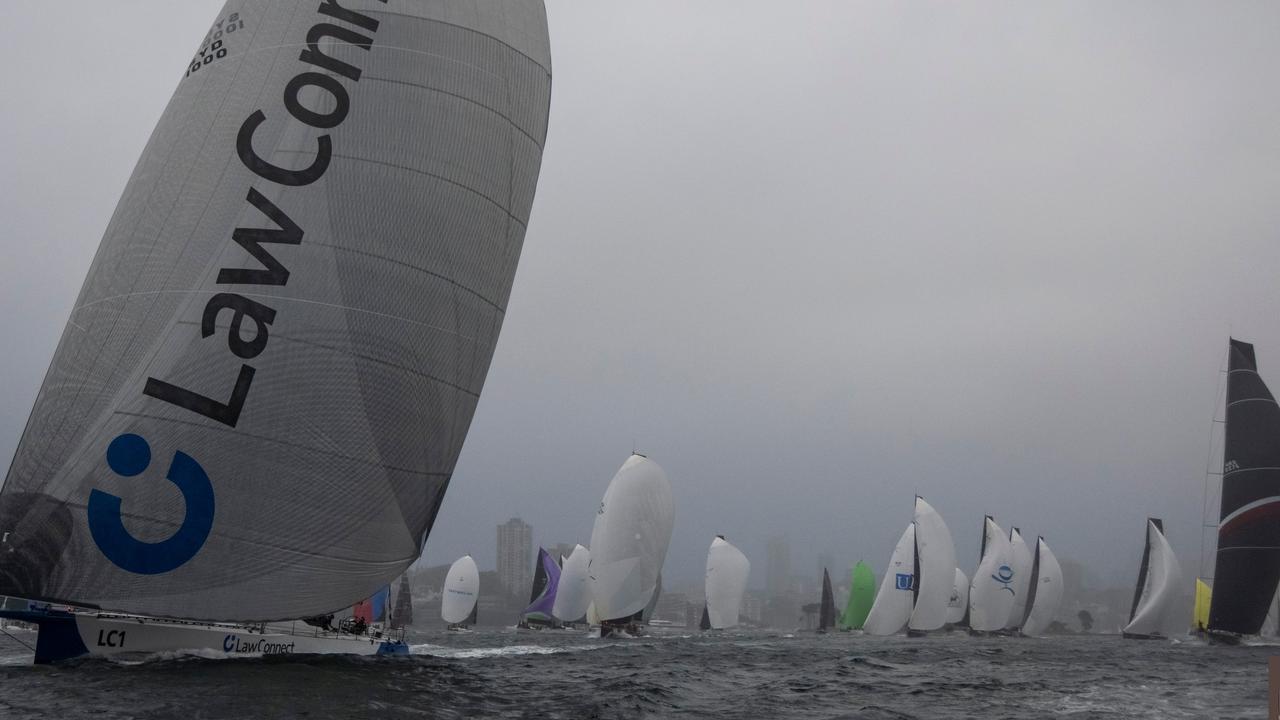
[(68, 635)]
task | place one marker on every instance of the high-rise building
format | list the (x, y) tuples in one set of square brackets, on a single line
[(515, 556), (778, 571)]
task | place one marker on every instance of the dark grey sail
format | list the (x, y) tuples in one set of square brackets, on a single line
[(827, 611), (402, 613), (705, 623), (1247, 566), (263, 387)]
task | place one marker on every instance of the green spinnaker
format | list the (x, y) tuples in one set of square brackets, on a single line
[(862, 592)]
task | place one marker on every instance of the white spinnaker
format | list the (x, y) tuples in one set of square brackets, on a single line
[(726, 581), (630, 538), (461, 590), (892, 606), (1021, 563), (959, 598), (1048, 591), (573, 594), (936, 573), (990, 592), (382, 157), (1160, 591)]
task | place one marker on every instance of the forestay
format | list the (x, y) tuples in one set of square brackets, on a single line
[(262, 390)]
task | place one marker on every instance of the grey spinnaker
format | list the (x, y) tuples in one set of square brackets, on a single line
[(263, 388)]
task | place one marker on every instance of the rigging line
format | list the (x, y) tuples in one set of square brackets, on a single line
[(20, 642)]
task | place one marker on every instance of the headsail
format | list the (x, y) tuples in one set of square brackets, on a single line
[(1200, 613), (1157, 587), (461, 591), (1045, 595), (573, 594), (991, 590), (862, 593), (827, 609), (1248, 561), (892, 606), (1021, 560), (726, 581), (959, 602), (629, 539), (936, 572), (542, 599), (262, 390)]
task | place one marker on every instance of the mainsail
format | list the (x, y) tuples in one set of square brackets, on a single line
[(862, 593), (827, 609), (546, 578), (573, 594), (1020, 561), (892, 606), (1157, 587), (1045, 595), (461, 591), (935, 570), (1247, 568), (262, 390), (991, 590), (629, 539), (402, 613), (726, 581)]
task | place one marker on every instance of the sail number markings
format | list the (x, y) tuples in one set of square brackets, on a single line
[(287, 232), (214, 45)]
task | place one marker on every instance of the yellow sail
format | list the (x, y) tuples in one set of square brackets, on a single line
[(1203, 595)]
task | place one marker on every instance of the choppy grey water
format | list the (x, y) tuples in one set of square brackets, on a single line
[(524, 674)]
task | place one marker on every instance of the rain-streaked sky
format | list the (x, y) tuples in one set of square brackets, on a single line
[(811, 257)]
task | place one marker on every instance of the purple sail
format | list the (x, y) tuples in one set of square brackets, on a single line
[(546, 577)]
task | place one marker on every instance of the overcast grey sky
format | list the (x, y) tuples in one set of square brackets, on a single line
[(812, 257)]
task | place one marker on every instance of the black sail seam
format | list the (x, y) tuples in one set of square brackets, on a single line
[(1233, 403), (424, 173), (277, 441), (463, 98), (369, 358)]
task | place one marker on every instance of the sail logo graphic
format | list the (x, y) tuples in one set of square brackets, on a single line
[(1230, 466), (902, 581), (1004, 576), (129, 456)]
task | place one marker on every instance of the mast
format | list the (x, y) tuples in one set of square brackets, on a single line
[(1247, 567)]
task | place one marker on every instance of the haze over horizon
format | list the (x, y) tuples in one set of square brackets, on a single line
[(812, 258)]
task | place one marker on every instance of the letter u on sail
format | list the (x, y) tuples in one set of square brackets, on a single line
[(297, 298)]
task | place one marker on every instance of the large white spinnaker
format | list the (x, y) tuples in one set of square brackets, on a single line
[(991, 591), (1157, 590), (959, 602), (726, 581), (1045, 595), (573, 594), (892, 606), (263, 387), (1021, 561), (935, 571), (461, 591), (629, 539)]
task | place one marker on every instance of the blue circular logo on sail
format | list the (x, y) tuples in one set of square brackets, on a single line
[(1004, 576), (129, 456)]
